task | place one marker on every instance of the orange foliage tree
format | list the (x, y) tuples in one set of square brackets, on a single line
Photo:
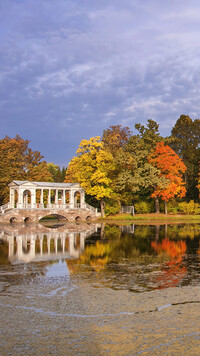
[(172, 168), (19, 162)]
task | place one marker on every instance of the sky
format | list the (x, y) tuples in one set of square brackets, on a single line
[(71, 68)]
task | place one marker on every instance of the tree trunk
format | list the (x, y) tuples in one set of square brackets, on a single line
[(120, 210), (102, 231), (165, 207), (157, 205), (102, 208)]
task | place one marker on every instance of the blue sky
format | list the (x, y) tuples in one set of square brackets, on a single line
[(71, 68)]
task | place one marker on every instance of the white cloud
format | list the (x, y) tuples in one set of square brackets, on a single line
[(99, 63)]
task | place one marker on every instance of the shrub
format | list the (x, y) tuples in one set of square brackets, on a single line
[(173, 206), (142, 207), (189, 208), (112, 207)]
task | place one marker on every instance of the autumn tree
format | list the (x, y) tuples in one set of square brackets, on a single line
[(115, 138), (91, 168), (145, 176), (19, 162), (172, 168)]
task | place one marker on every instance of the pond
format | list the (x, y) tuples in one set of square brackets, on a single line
[(85, 289)]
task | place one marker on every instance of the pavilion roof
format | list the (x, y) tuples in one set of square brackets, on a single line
[(45, 184)]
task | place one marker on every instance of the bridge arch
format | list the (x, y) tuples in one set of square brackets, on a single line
[(13, 220), (56, 216), (26, 198), (27, 219)]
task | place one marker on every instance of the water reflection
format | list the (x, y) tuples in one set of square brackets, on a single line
[(149, 257), (137, 258), (36, 243)]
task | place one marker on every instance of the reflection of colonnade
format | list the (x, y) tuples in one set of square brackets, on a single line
[(25, 194), (45, 246)]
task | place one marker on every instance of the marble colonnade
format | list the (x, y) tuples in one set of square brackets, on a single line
[(25, 194)]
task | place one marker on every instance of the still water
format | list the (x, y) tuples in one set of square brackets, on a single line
[(99, 289)]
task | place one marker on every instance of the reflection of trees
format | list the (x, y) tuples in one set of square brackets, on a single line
[(138, 263), (4, 253), (97, 256), (143, 231), (183, 231), (112, 232), (174, 271), (128, 248), (171, 248)]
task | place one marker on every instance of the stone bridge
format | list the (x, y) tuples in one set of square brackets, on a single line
[(38, 243), (32, 201)]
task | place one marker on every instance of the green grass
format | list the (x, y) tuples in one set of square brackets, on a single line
[(149, 217)]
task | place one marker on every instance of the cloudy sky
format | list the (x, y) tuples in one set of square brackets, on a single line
[(71, 68)]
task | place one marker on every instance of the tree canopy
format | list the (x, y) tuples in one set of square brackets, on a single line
[(121, 168), (172, 168), (91, 168), (19, 162)]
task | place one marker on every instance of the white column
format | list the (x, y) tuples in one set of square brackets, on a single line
[(71, 244), (82, 241), (32, 247), (19, 253), (11, 247), (12, 198), (48, 244), (71, 199), (49, 196), (63, 196), (41, 246), (20, 199), (33, 198), (82, 196), (41, 196), (56, 245), (56, 196), (63, 244)]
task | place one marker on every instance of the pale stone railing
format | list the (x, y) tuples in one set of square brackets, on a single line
[(90, 208), (4, 207), (58, 206)]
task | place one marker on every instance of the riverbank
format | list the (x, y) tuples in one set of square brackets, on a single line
[(150, 218)]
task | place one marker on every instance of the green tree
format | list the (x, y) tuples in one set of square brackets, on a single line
[(56, 172), (115, 140), (185, 141), (139, 146), (145, 176), (149, 134)]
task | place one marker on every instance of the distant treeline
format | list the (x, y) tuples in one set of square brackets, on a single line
[(120, 168), (125, 168)]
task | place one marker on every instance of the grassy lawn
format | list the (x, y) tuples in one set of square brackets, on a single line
[(152, 217)]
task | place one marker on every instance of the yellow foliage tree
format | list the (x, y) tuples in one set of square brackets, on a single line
[(91, 168)]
